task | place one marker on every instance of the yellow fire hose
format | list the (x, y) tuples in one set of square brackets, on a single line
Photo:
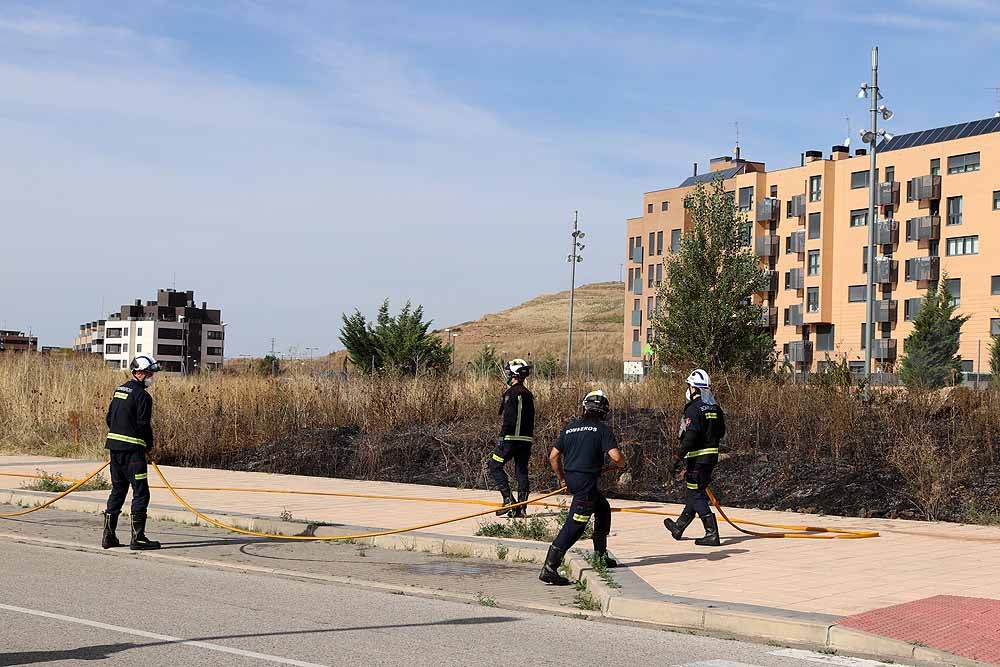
[(807, 532)]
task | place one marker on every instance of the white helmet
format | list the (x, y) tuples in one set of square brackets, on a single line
[(698, 378), (517, 368), (144, 362)]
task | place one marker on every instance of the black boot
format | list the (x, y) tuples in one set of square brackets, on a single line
[(678, 527), (139, 540), (711, 538), (550, 571), (109, 540), (522, 511), (601, 551), (508, 499)]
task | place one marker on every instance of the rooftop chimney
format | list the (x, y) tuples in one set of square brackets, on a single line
[(861, 151), (840, 152), (695, 169), (812, 156)]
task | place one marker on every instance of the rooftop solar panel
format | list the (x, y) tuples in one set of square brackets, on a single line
[(951, 132), (937, 135), (934, 135)]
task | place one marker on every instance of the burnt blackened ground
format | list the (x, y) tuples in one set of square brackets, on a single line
[(774, 477)]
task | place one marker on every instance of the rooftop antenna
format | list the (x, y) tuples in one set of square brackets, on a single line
[(174, 280), (736, 150), (847, 139), (997, 92)]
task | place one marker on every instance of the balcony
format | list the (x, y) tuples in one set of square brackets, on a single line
[(772, 283), (800, 352), (885, 311), (767, 246), (924, 188), (887, 232), (924, 269), (798, 206), (884, 349), (888, 193), (797, 242), (769, 317), (637, 286), (926, 228), (886, 271), (768, 209), (795, 315), (636, 255), (637, 318), (796, 279), (636, 348)]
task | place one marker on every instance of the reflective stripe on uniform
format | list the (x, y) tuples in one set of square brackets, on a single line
[(126, 438), (582, 518), (498, 458), (120, 394), (701, 452), (518, 438), (692, 486), (711, 415), (142, 475)]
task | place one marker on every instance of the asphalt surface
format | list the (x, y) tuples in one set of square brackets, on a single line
[(68, 604)]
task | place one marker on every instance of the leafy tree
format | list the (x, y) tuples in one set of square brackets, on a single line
[(547, 365), (931, 357), (269, 365), (707, 317), (486, 362), (995, 360), (401, 344)]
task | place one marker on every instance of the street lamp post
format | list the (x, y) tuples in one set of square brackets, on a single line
[(871, 137), (573, 258)]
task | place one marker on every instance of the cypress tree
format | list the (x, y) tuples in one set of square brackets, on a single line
[(931, 357)]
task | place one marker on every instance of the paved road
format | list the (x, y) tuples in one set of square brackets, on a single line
[(66, 606)]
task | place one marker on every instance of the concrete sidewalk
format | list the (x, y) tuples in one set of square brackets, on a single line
[(817, 579)]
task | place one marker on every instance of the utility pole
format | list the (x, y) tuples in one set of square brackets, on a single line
[(573, 257), (273, 359)]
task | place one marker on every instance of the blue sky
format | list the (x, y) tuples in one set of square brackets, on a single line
[(293, 160)]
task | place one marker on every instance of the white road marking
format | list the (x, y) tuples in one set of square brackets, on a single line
[(812, 656), (164, 638)]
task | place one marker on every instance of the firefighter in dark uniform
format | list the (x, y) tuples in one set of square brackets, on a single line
[(130, 437), (517, 413), (702, 428), (578, 460)]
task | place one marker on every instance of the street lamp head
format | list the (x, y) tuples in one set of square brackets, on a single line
[(886, 113), (867, 136), (863, 91), (887, 135)]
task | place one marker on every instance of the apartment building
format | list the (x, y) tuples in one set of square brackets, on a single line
[(90, 338), (17, 341), (938, 216), (184, 337)]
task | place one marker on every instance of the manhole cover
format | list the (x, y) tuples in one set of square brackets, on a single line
[(445, 568)]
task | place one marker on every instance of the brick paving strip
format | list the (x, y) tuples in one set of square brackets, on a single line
[(794, 591)]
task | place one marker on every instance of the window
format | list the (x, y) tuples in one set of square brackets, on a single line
[(138, 331), (996, 200), (788, 282), (659, 243), (911, 307), (664, 205), (966, 365), (856, 293), (995, 326), (890, 174), (125, 348), (814, 220), (652, 243), (864, 335), (215, 351), (774, 190), (936, 167), (813, 263), (859, 217), (954, 287), (857, 367), (812, 300), (959, 164), (138, 347), (815, 188), (113, 348), (786, 321), (649, 207), (954, 211), (649, 335), (631, 279), (962, 245), (635, 335), (168, 350), (864, 260), (747, 234), (859, 179), (824, 337), (659, 274), (995, 285), (650, 276), (675, 240), (649, 307), (112, 333), (746, 198), (172, 334), (788, 208)]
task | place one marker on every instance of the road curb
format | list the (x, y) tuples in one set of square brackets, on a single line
[(700, 616)]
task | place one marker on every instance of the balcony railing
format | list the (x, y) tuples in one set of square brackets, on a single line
[(800, 352), (768, 209), (637, 318), (637, 286), (769, 317), (798, 208), (923, 188), (888, 193), (795, 315), (884, 349), (772, 283), (797, 242), (925, 268), (636, 348), (926, 228), (766, 246), (887, 232), (796, 279), (886, 270), (637, 254), (885, 310)]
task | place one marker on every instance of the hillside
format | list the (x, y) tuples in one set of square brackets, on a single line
[(539, 326)]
